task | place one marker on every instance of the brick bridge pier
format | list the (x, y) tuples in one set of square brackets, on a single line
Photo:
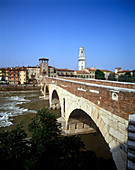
[(108, 104)]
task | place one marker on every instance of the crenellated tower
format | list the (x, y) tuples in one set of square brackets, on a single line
[(43, 63)]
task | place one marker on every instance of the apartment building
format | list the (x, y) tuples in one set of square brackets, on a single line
[(13, 75), (3, 74)]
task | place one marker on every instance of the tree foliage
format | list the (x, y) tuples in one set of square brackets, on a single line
[(112, 77), (13, 148), (46, 149), (99, 75), (127, 77)]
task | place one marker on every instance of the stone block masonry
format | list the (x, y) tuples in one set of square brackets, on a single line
[(117, 100), (108, 106)]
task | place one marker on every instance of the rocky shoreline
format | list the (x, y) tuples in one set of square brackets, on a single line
[(19, 87)]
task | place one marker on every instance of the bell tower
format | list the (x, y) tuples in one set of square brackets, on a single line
[(43, 64), (81, 60)]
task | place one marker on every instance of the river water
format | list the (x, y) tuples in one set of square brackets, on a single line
[(17, 106)]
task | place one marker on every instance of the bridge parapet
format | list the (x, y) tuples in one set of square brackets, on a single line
[(103, 82), (117, 100)]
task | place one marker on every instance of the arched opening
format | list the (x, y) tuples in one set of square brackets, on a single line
[(42, 89), (47, 90), (79, 121), (55, 103), (79, 118)]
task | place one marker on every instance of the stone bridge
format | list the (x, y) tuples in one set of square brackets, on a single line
[(105, 104)]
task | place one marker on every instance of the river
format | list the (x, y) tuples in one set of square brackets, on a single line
[(17, 106)]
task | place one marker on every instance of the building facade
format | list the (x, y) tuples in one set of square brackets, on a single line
[(3, 74), (122, 72), (81, 74), (117, 69), (52, 71), (65, 72), (23, 75), (33, 74), (13, 75), (91, 71), (107, 73)]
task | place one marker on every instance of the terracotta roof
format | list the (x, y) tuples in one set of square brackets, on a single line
[(124, 71), (33, 67), (16, 68), (3, 68), (91, 69), (64, 70), (106, 71)]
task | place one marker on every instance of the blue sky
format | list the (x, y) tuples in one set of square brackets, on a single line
[(56, 29)]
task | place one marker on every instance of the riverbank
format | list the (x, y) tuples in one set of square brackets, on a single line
[(25, 104), (19, 87)]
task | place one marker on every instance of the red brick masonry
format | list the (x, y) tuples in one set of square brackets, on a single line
[(100, 93)]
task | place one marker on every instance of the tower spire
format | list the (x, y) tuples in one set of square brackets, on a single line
[(81, 60)]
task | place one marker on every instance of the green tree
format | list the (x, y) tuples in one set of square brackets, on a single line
[(99, 75), (47, 148), (134, 73), (112, 77), (127, 77), (44, 142), (123, 78), (128, 74), (13, 148)]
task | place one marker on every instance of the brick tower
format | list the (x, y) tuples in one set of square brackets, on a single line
[(43, 63)]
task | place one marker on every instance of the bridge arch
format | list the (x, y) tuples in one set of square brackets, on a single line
[(80, 116), (94, 114), (80, 122), (101, 119), (46, 90), (55, 100)]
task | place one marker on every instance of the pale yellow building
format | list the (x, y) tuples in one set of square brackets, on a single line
[(23, 76), (117, 69), (107, 73)]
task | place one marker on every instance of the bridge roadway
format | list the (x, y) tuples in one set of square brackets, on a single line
[(108, 104)]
